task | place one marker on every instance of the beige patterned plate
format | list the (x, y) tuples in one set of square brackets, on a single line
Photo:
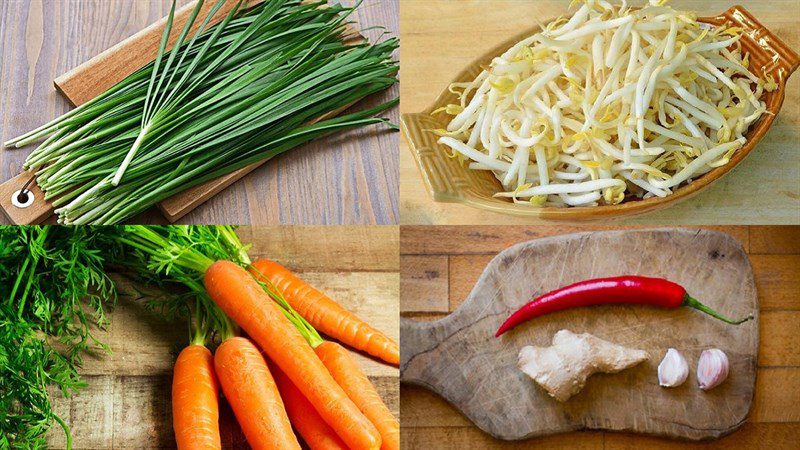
[(449, 181)]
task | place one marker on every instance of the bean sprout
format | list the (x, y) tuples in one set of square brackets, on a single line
[(614, 103)]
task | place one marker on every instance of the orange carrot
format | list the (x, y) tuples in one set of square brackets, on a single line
[(306, 420), (346, 372), (242, 299), (195, 400), (253, 395), (326, 315)]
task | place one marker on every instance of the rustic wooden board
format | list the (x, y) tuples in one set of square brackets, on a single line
[(126, 405), (774, 423), (368, 184), (762, 190), (37, 212), (459, 358)]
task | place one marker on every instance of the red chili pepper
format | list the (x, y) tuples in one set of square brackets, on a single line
[(627, 289)]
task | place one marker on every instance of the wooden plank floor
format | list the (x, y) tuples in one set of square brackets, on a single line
[(441, 37), (127, 403), (347, 178), (439, 266)]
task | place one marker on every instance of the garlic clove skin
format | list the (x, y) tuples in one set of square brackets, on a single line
[(673, 369), (712, 369)]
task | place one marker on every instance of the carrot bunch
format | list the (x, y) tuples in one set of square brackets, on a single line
[(284, 373)]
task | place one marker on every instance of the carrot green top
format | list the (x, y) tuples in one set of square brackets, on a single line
[(182, 254)]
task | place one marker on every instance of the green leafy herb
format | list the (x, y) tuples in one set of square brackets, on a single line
[(53, 293), (28, 366)]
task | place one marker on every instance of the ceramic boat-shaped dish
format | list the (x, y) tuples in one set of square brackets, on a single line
[(447, 180)]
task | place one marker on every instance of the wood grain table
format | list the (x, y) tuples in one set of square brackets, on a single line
[(440, 265), (347, 178), (127, 403), (441, 37)]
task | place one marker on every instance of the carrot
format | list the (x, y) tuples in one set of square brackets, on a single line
[(346, 372), (306, 420), (243, 299), (253, 395), (195, 400), (324, 314)]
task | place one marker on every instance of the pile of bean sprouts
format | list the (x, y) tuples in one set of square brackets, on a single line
[(614, 103)]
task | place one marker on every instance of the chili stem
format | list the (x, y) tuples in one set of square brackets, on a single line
[(694, 303)]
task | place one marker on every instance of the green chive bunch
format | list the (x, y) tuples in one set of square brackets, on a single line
[(223, 98)]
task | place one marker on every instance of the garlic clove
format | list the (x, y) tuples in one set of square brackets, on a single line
[(673, 369), (712, 369)]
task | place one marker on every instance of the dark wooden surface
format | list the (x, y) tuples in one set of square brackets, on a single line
[(440, 265), (348, 178)]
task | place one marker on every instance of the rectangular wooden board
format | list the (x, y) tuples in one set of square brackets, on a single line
[(35, 213)]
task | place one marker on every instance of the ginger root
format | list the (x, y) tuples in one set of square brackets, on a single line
[(562, 369)]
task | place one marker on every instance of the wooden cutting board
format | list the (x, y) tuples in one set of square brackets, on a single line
[(97, 75), (459, 358)]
